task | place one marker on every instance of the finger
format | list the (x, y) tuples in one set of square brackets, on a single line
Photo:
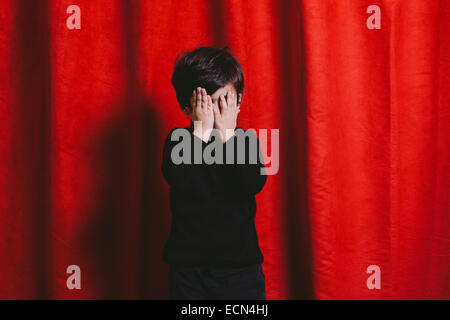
[(234, 98), (198, 101), (223, 103), (209, 103), (204, 99), (230, 101)]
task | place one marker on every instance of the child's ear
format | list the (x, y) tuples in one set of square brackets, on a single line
[(186, 111), (239, 99)]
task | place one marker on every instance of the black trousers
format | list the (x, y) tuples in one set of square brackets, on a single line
[(244, 283)]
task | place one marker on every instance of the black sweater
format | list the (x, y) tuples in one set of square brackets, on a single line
[(213, 208)]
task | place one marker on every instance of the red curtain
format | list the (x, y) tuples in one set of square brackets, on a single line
[(364, 143)]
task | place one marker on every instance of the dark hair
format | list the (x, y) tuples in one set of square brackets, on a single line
[(207, 67)]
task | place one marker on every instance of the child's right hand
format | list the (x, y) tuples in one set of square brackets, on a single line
[(202, 114)]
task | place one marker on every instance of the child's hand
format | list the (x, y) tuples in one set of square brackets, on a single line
[(202, 113), (225, 119)]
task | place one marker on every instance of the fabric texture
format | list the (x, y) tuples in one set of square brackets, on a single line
[(364, 144)]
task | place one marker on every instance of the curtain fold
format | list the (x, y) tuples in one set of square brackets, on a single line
[(364, 143)]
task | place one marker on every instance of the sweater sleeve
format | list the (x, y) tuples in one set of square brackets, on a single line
[(248, 178), (182, 175)]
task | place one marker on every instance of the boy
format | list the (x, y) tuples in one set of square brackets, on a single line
[(212, 249)]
